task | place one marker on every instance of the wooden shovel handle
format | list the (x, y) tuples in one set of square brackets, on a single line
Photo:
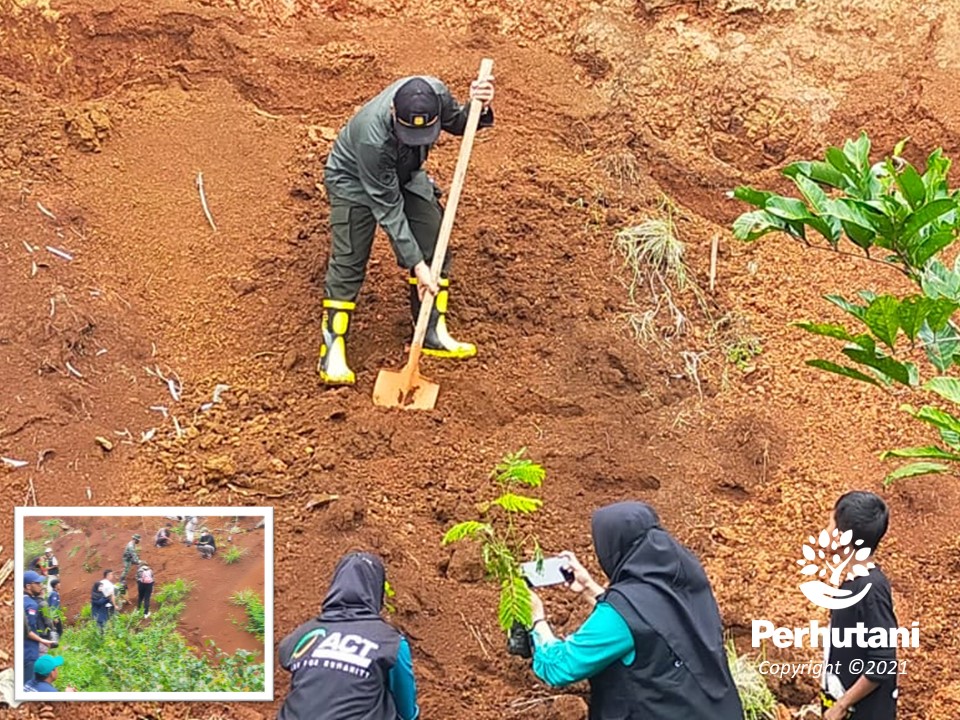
[(449, 213)]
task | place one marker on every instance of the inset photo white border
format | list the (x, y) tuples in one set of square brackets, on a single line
[(21, 514)]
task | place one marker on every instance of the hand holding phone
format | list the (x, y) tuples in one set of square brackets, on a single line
[(549, 571)]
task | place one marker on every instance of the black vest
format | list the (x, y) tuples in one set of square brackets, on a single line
[(656, 686), (340, 670)]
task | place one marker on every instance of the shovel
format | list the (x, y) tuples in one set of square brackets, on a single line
[(407, 388)]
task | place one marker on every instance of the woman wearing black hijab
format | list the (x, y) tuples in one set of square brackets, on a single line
[(653, 646), (349, 663)]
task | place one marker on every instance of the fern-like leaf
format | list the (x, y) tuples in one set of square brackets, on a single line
[(518, 503), (515, 469), (468, 529), (515, 604)]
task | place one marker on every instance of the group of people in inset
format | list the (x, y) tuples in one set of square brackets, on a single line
[(652, 647)]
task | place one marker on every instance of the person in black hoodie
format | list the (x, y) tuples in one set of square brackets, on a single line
[(653, 646), (349, 663)]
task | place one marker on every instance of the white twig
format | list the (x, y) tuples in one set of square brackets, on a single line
[(73, 370), (59, 253), (11, 462), (28, 246), (46, 212), (714, 247), (203, 201)]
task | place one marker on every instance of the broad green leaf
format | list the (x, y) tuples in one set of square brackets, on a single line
[(850, 211), (858, 152), (902, 372), (946, 387), (788, 208), (927, 452), (915, 469), (920, 220), (751, 195), (856, 310), (935, 176), (898, 148), (817, 171), (941, 347), (860, 237), (938, 281), (756, 224), (911, 185), (841, 163), (827, 330), (518, 503), (950, 437), (934, 416), (828, 226), (468, 529), (940, 313), (934, 243), (883, 318), (912, 312), (842, 370)]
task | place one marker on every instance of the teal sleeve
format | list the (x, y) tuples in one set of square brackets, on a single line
[(603, 639), (403, 685)]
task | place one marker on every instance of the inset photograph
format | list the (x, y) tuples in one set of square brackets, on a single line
[(144, 603)]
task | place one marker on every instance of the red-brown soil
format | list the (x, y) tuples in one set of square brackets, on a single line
[(108, 110), (96, 544)]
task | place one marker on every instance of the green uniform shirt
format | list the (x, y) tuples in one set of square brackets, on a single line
[(368, 165)]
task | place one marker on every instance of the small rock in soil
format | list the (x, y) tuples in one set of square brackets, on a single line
[(348, 514), (466, 563), (243, 285), (220, 466), (291, 358), (104, 443)]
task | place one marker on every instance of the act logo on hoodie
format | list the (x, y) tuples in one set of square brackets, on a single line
[(347, 652)]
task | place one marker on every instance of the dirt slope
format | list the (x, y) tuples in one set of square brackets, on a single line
[(109, 110)]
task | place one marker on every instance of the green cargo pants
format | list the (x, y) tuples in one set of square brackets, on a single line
[(353, 227)]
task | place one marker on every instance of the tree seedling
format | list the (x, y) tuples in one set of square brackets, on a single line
[(501, 540)]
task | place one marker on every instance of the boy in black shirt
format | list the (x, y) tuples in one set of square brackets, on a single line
[(861, 682)]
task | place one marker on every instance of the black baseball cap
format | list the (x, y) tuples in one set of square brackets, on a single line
[(416, 107)]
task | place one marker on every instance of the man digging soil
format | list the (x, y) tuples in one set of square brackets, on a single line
[(373, 177)]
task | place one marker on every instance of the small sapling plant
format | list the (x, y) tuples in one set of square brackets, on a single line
[(501, 539)]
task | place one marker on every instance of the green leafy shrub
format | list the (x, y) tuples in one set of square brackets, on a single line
[(758, 701), (500, 539), (134, 656), (897, 217), (233, 554), (31, 548), (253, 606)]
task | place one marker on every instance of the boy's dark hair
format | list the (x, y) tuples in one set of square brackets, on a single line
[(55, 582), (865, 513), (107, 572)]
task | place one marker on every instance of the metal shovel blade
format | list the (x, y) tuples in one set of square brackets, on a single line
[(406, 390)]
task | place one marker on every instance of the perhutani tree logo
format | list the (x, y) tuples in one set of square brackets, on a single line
[(835, 557)]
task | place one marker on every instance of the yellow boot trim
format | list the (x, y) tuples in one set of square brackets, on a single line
[(339, 304), (336, 372), (451, 348)]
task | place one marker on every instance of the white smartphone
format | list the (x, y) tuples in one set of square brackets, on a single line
[(548, 572)]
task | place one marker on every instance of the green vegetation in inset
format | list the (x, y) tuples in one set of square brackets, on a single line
[(890, 214), (150, 656), (500, 537), (233, 554), (253, 606), (73, 551), (31, 549)]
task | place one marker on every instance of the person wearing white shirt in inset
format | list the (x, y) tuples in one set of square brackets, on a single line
[(190, 528)]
